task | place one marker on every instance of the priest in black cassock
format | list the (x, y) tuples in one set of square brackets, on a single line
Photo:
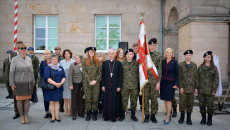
[(111, 81)]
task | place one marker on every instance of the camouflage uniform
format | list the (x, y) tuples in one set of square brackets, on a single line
[(150, 92), (130, 84), (6, 72), (91, 73), (208, 82), (188, 81), (35, 63), (60, 58)]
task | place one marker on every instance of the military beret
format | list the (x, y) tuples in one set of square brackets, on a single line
[(207, 53), (188, 52), (129, 50), (92, 48), (152, 41), (9, 51), (30, 48), (86, 49)]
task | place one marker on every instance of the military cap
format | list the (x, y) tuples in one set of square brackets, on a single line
[(207, 53), (9, 51), (152, 41), (129, 50), (92, 48), (188, 52), (57, 48), (86, 49), (30, 48)]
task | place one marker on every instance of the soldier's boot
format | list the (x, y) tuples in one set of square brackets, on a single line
[(153, 118), (122, 116), (88, 116), (11, 94), (133, 117), (189, 121), (146, 118), (174, 114), (209, 120), (181, 120), (203, 121), (94, 115)]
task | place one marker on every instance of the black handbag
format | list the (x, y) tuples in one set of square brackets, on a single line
[(45, 84)]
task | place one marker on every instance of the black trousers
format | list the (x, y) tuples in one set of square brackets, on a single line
[(77, 102)]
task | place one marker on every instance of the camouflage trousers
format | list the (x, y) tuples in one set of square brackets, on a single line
[(150, 93), (186, 102), (91, 97), (133, 93), (206, 100)]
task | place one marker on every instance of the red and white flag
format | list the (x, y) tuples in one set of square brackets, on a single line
[(15, 22), (144, 59)]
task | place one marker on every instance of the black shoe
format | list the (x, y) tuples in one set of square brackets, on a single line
[(50, 115), (52, 121), (141, 107), (16, 116), (133, 117), (209, 120), (189, 121), (113, 120), (181, 120), (74, 118), (7, 97), (94, 115), (174, 114), (106, 119), (61, 109), (153, 118), (58, 120), (146, 118), (203, 121), (88, 116), (47, 115), (122, 116)]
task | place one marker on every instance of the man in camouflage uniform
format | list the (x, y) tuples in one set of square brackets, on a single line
[(188, 85), (57, 50), (130, 83), (151, 89), (208, 82), (91, 84), (35, 62), (6, 72)]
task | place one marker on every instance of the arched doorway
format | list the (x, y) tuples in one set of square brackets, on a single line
[(171, 32)]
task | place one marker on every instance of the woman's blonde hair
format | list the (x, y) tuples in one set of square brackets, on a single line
[(47, 52), (103, 55), (168, 49)]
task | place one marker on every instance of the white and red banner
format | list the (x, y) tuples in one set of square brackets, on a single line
[(15, 22), (144, 59)]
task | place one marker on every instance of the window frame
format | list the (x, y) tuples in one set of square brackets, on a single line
[(107, 34), (47, 33)]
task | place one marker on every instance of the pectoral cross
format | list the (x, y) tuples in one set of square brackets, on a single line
[(111, 74)]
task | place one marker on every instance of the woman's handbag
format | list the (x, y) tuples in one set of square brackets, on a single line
[(45, 84)]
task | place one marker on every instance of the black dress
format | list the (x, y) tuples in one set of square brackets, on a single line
[(112, 104), (170, 78)]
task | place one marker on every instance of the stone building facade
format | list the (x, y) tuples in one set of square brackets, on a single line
[(199, 25)]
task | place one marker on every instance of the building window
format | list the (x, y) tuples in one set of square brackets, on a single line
[(107, 32), (45, 32)]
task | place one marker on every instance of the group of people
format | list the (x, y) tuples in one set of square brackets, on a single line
[(93, 84)]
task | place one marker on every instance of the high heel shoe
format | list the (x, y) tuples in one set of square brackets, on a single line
[(166, 123), (58, 120), (52, 121), (27, 119)]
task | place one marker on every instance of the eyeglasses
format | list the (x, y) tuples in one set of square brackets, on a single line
[(23, 48)]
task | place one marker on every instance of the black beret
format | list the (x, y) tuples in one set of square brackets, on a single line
[(129, 50), (188, 52), (207, 53), (92, 48), (86, 49), (152, 41)]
